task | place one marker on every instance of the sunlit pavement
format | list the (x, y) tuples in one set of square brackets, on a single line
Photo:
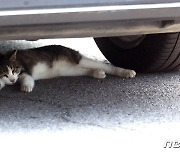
[(86, 115)]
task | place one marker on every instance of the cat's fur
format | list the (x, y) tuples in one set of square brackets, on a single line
[(46, 62)]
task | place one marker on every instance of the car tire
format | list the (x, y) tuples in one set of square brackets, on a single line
[(156, 52)]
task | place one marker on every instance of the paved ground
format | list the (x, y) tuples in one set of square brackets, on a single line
[(86, 115)]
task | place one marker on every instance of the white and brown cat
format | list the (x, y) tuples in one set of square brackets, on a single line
[(46, 62)]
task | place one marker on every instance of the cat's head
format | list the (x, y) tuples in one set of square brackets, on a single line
[(9, 68)]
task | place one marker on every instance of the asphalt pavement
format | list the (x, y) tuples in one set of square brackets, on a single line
[(86, 115)]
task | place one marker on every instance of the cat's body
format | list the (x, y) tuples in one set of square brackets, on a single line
[(50, 62)]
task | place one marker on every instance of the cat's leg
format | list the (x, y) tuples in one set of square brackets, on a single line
[(96, 73), (107, 68), (80, 71), (27, 82), (2, 84)]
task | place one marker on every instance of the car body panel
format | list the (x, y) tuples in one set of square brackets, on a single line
[(24, 4), (25, 19)]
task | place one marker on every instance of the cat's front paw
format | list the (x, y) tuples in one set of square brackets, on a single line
[(2, 84), (26, 88)]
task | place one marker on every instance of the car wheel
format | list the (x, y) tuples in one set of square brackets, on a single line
[(143, 53)]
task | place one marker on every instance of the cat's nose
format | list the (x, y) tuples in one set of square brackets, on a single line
[(12, 80)]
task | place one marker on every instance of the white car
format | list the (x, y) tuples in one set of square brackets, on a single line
[(136, 34)]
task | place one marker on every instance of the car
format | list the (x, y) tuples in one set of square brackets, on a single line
[(137, 34)]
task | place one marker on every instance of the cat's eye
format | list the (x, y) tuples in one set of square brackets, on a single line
[(17, 70), (13, 71), (6, 75)]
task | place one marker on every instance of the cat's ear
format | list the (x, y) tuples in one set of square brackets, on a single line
[(13, 56)]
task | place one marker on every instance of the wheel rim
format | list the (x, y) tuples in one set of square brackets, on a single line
[(127, 42)]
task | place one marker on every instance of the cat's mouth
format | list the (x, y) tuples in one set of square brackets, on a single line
[(11, 82)]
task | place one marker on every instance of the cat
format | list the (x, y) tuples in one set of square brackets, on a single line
[(46, 62)]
